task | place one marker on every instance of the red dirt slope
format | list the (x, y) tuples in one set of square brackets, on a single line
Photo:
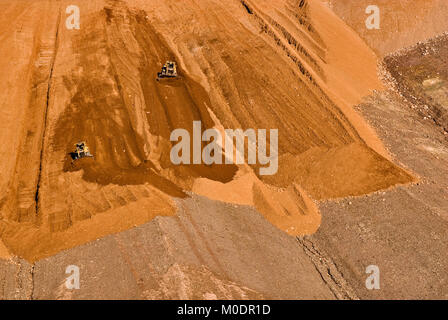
[(244, 64)]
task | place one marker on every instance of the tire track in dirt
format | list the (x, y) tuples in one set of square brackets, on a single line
[(44, 131), (328, 270)]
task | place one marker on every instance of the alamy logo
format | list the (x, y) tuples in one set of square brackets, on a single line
[(373, 280), (72, 21), (72, 281), (373, 21), (213, 153)]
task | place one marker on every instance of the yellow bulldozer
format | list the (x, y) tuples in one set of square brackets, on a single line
[(169, 70), (82, 151)]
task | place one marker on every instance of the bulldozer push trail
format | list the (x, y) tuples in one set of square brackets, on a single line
[(87, 178)]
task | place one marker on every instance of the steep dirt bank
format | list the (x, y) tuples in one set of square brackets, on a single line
[(243, 64)]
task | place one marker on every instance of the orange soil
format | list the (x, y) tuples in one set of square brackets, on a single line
[(243, 64), (4, 253), (291, 210)]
